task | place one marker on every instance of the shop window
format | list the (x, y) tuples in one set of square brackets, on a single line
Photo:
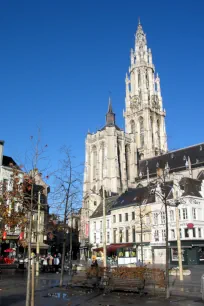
[(174, 254)]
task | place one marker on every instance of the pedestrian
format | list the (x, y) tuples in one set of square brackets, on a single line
[(56, 263), (50, 263), (45, 264)]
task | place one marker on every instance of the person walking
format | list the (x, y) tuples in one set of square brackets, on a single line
[(56, 263)]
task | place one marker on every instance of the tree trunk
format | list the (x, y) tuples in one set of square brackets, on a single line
[(141, 240), (63, 258), (167, 252), (70, 247), (29, 262)]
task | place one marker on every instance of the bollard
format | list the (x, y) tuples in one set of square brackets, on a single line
[(202, 286)]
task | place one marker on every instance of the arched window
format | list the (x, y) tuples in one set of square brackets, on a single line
[(94, 162), (141, 156), (141, 122), (139, 79), (132, 124), (158, 132), (127, 159), (151, 127)]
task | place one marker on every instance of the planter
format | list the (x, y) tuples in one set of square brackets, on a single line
[(176, 272)]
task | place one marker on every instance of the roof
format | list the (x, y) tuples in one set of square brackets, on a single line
[(8, 161), (111, 125), (134, 196), (99, 210), (190, 187), (176, 160)]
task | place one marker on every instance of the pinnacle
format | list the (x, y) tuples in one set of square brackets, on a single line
[(110, 109)]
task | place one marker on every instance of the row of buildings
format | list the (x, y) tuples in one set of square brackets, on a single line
[(126, 162), (49, 235)]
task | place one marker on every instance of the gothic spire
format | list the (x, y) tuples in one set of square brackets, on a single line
[(110, 116)]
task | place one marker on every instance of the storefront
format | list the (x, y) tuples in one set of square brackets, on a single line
[(192, 252)]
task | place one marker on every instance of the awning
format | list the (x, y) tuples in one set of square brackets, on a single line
[(42, 246), (114, 247)]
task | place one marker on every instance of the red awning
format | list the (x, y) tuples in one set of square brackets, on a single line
[(114, 247)]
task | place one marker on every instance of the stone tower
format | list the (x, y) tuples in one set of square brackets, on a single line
[(144, 113)]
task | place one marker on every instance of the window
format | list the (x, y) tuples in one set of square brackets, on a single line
[(173, 234), (171, 215), (107, 223), (179, 214), (114, 235), (101, 225), (127, 158), (180, 230), (147, 220), (141, 121), (185, 215), (199, 233), (163, 234), (101, 237), (194, 213), (108, 237), (121, 235), (163, 217), (114, 219), (126, 216), (186, 233), (5, 185), (194, 234), (95, 203), (156, 235), (156, 218), (94, 237), (133, 215), (120, 218), (132, 123), (133, 234), (94, 226), (158, 132), (127, 235)]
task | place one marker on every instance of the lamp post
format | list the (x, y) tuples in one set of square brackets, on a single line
[(179, 242), (104, 228)]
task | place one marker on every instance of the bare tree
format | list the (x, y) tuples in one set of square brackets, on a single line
[(66, 194), (162, 188)]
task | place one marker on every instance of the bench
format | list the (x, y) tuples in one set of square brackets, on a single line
[(130, 285)]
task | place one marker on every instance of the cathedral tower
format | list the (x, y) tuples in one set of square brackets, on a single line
[(144, 114)]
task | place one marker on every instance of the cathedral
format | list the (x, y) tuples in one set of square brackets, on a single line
[(112, 155), (122, 159)]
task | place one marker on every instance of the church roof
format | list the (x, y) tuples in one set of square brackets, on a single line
[(176, 160), (99, 210)]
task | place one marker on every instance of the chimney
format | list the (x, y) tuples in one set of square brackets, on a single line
[(1, 151)]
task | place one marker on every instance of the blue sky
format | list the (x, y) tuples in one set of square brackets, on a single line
[(60, 59)]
